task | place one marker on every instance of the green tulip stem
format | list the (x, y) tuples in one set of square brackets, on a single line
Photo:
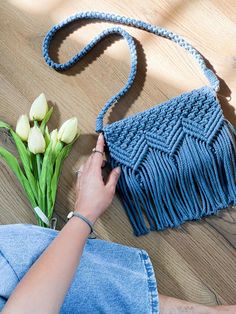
[(38, 161), (36, 123)]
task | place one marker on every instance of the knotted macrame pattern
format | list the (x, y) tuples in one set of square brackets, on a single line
[(178, 158), (178, 161)]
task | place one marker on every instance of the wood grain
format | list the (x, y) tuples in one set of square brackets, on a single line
[(195, 262)]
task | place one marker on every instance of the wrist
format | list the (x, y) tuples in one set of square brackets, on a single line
[(85, 219), (79, 225), (87, 215)]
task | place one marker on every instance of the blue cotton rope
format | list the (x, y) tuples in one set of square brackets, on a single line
[(178, 158), (157, 30)]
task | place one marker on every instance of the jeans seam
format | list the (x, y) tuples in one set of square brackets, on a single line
[(151, 282), (10, 265)]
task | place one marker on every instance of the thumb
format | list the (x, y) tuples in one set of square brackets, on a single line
[(113, 177)]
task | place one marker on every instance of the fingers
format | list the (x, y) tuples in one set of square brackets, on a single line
[(79, 173), (87, 163), (104, 163), (96, 159), (80, 170), (113, 178)]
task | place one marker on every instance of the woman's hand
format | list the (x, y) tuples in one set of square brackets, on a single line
[(93, 195)]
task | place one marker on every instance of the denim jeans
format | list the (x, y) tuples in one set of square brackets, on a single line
[(111, 278)]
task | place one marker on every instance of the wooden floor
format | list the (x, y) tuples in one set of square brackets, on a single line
[(197, 261)]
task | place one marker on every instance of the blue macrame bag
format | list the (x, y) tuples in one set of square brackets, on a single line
[(178, 159)]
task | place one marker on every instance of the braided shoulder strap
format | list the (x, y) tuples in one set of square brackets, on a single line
[(210, 75)]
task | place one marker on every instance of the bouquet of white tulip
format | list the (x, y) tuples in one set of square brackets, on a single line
[(41, 154)]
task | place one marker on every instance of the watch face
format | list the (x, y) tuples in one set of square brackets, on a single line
[(70, 215)]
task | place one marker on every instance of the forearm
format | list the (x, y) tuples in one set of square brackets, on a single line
[(169, 305), (43, 288)]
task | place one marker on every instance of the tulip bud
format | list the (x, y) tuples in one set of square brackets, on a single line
[(54, 138), (47, 136), (39, 108), (36, 142), (23, 127), (68, 130)]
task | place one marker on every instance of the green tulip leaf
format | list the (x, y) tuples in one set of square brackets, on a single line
[(4, 125), (50, 170), (47, 136), (48, 189), (54, 183), (46, 164), (41, 200), (58, 148), (61, 154), (26, 161), (34, 165), (45, 120), (13, 164)]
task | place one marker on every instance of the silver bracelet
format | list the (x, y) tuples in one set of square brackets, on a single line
[(72, 213)]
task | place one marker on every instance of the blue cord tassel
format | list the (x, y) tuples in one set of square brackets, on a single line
[(165, 191)]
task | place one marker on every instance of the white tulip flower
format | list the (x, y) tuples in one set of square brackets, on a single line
[(54, 138), (39, 108), (68, 130), (36, 141), (23, 127)]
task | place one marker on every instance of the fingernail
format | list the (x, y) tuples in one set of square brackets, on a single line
[(118, 169), (100, 135)]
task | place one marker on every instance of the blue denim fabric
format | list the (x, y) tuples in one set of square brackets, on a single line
[(111, 278)]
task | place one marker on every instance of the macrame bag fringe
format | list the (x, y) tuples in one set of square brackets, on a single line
[(169, 190), (178, 159)]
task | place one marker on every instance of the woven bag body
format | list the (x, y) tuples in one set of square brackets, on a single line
[(178, 158)]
